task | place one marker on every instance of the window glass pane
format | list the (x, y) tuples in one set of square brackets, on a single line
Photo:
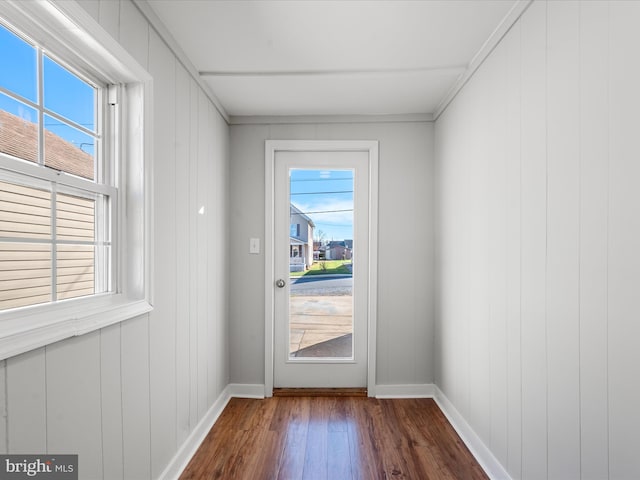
[(75, 218), (75, 271), (18, 129), (25, 274), (67, 95), (68, 149), (18, 72), (25, 212)]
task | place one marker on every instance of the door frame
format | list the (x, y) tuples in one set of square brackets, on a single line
[(271, 148)]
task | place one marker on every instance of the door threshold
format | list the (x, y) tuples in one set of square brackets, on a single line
[(319, 392)]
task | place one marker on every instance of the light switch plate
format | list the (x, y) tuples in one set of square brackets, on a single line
[(254, 246)]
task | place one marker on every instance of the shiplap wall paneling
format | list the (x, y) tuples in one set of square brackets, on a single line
[(182, 243), (477, 246), (513, 239), (572, 232), (136, 436), (26, 402), (162, 324), (74, 417), (111, 401), (202, 285), (445, 227), (193, 216), (134, 32), (497, 256), (624, 239), (453, 337), (533, 250), (92, 7), (562, 282), (594, 206), (109, 17), (133, 35), (220, 263), (212, 258)]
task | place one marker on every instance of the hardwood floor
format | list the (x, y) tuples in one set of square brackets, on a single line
[(333, 438)]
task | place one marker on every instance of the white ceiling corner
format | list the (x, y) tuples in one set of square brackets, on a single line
[(381, 57)]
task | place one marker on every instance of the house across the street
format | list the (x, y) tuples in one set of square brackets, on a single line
[(300, 241)]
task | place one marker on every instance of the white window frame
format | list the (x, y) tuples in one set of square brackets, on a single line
[(71, 33)]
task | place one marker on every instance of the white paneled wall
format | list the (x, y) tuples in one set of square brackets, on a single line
[(537, 244), (125, 398)]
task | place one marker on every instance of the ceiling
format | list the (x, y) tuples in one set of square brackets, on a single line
[(328, 57)]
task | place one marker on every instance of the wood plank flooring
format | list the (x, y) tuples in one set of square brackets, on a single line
[(332, 438)]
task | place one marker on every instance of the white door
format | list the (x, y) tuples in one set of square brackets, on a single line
[(321, 212)]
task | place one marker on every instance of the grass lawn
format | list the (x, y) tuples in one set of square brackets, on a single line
[(332, 267)]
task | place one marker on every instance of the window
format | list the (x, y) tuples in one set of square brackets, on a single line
[(74, 196), (55, 195)]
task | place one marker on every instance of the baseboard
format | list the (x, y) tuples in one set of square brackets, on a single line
[(419, 390), (180, 460), (478, 449), (246, 390)]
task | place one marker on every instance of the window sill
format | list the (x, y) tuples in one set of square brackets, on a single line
[(37, 327)]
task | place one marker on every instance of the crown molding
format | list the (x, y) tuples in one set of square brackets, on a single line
[(333, 119), (158, 25), (518, 8)]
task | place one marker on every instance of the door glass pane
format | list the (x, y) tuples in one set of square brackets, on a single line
[(321, 253)]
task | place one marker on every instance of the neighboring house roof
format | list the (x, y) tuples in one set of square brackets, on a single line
[(295, 241), (19, 138), (347, 244), (297, 211)]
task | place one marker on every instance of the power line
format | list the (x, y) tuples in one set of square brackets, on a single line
[(320, 179), (343, 225), (321, 193), (324, 211)]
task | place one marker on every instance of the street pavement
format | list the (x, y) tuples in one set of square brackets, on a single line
[(322, 285)]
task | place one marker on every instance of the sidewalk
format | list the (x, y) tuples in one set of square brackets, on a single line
[(321, 326)]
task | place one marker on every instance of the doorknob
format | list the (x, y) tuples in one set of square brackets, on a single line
[(280, 283)]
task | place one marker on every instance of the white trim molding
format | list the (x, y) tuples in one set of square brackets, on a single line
[(271, 147), (246, 390), (158, 25), (476, 446), (328, 119), (518, 8), (423, 390), (190, 446)]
